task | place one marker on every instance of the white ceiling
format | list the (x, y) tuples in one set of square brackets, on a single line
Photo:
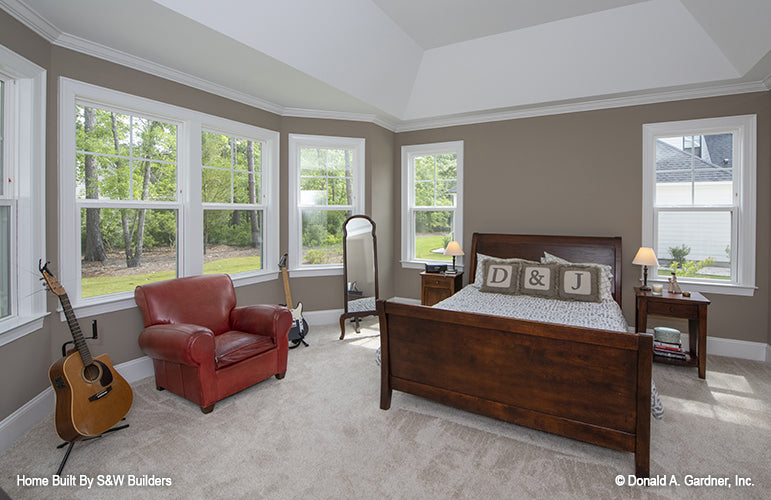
[(413, 63)]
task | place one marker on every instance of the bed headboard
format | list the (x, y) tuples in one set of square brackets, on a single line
[(597, 249)]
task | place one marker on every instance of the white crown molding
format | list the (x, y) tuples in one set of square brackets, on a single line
[(31, 19), (116, 56), (767, 82), (341, 115), (588, 105)]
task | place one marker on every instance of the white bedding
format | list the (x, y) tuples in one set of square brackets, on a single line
[(605, 315)]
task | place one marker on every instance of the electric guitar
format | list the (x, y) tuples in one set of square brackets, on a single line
[(299, 326), (91, 397)]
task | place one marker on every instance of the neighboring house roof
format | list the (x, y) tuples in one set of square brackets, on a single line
[(676, 165), (718, 149)]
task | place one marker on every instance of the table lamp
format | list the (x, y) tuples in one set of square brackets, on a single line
[(645, 257), (453, 248)]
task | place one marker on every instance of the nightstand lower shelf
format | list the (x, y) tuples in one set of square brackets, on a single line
[(690, 360)]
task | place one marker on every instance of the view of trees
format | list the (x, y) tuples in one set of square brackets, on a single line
[(231, 175), (435, 186), (126, 164), (326, 195), (127, 158)]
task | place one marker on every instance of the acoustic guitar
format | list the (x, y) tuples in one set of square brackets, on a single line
[(299, 326), (91, 397)]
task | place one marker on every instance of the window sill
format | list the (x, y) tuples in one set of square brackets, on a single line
[(720, 289), (15, 328), (309, 272)]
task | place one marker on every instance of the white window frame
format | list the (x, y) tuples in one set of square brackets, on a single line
[(409, 153), (297, 142), (24, 190), (270, 191), (743, 212), (188, 204)]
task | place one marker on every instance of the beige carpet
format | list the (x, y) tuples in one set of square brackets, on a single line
[(319, 433)]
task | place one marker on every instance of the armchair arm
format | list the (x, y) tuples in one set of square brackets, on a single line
[(178, 343), (265, 319)]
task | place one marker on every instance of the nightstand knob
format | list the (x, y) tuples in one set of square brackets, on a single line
[(671, 309)]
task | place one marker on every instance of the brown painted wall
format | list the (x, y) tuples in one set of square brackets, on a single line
[(580, 174)]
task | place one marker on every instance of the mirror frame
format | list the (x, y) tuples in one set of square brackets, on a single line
[(358, 314)]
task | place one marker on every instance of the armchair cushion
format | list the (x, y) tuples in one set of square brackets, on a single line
[(232, 347)]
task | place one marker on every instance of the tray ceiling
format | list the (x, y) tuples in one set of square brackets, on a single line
[(405, 62)]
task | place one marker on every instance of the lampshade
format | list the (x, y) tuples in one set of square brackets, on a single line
[(453, 248), (645, 257)]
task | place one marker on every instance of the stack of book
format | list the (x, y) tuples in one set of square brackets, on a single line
[(668, 349)]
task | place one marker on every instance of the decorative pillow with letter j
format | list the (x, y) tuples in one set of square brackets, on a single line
[(500, 276), (539, 280), (577, 282)]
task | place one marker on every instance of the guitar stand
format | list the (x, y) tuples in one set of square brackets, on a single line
[(72, 443), (296, 342)]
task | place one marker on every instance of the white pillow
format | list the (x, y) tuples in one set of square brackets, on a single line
[(606, 283)]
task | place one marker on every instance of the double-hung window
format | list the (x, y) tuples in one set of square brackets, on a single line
[(327, 186), (432, 201), (235, 206), (699, 201), (126, 199), (151, 191), (22, 192)]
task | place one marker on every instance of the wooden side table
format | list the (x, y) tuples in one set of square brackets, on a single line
[(435, 287), (693, 308)]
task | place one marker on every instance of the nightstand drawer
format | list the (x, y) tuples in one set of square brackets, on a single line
[(686, 311), (436, 282)]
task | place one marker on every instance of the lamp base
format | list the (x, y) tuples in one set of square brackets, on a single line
[(645, 288)]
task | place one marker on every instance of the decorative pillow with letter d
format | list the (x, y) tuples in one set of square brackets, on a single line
[(500, 277)]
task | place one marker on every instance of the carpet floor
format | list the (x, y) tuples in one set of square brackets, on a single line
[(319, 433)]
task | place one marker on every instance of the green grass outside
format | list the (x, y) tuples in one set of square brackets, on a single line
[(103, 285), (424, 245), (668, 273)]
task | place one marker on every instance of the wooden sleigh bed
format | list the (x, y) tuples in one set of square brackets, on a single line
[(583, 383)]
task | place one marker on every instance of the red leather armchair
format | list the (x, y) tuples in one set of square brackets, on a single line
[(203, 347)]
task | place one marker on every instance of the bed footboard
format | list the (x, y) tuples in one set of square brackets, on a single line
[(586, 384)]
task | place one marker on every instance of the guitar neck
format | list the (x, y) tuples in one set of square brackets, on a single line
[(77, 335), (287, 292)]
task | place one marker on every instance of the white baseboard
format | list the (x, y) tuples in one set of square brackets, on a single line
[(136, 369), (326, 317), (742, 349), (19, 422)]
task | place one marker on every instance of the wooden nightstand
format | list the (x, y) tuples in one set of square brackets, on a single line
[(693, 308), (436, 287)]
